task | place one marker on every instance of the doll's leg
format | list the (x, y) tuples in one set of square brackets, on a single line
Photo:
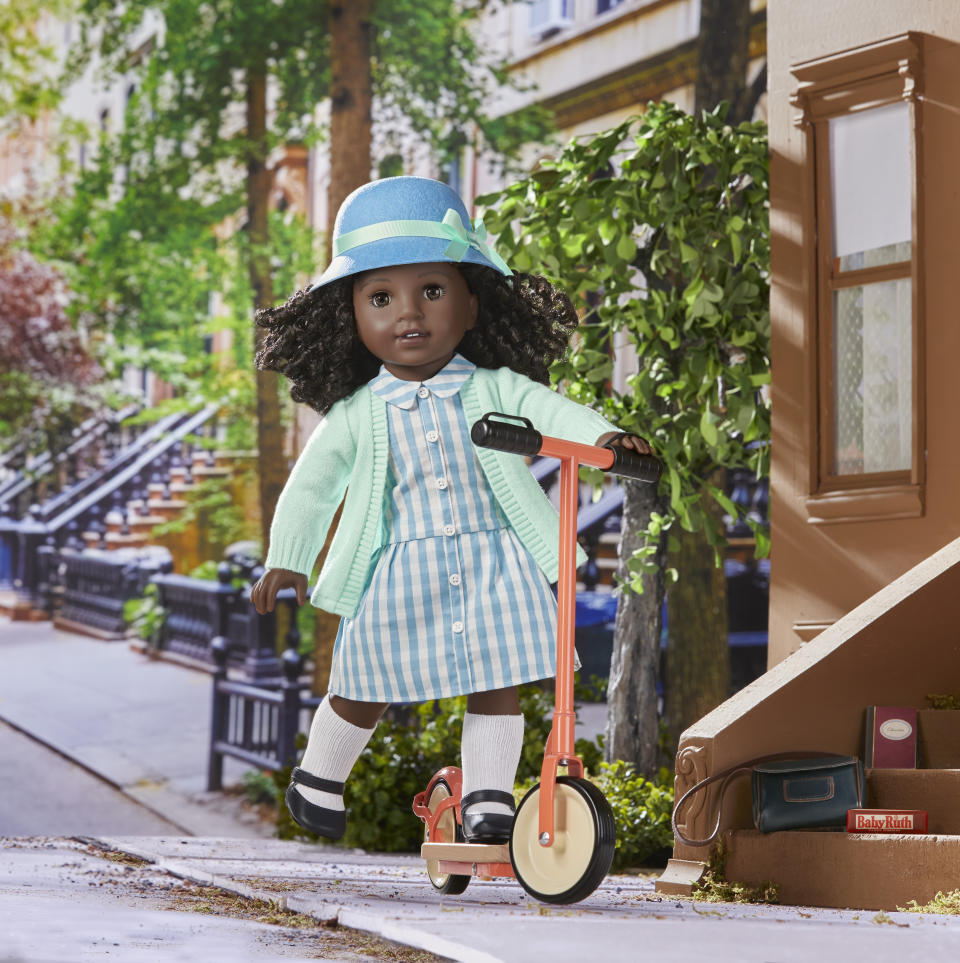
[(490, 752), (340, 730)]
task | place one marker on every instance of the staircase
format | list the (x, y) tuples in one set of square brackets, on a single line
[(117, 503), (896, 648)]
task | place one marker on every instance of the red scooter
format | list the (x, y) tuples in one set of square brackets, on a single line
[(563, 836)]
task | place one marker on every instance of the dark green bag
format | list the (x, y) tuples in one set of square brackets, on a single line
[(791, 790), (806, 793)]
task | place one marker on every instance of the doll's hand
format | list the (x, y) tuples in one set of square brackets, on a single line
[(630, 442), (264, 593)]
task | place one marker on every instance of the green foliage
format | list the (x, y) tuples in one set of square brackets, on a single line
[(642, 810), (27, 85), (259, 787), (944, 904), (207, 572), (211, 503), (944, 701), (715, 888), (146, 616), (658, 229), (432, 72)]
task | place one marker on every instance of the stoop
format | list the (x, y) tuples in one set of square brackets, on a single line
[(845, 869)]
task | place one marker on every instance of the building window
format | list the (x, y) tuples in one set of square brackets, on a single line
[(871, 229), (604, 5), (861, 113), (549, 16)]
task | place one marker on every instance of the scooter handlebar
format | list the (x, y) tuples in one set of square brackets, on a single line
[(631, 464), (516, 439), (526, 440)]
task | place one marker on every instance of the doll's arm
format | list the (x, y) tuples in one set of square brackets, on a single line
[(311, 495), (550, 412)]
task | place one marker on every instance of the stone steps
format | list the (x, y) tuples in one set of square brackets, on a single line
[(862, 870)]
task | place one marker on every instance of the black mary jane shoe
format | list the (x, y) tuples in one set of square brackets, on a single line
[(487, 827), (331, 823)]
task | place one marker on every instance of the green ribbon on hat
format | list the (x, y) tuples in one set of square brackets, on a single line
[(449, 229)]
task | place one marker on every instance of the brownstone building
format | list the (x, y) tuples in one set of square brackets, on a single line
[(864, 113)]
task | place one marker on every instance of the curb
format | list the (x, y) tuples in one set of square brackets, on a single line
[(339, 913)]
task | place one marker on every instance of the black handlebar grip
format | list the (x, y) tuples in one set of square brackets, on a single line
[(516, 439), (629, 464)]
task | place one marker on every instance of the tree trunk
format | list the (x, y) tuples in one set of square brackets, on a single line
[(632, 724), (271, 469), (697, 674), (351, 98), (351, 118), (723, 52)]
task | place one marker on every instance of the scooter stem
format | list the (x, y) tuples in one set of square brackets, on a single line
[(560, 745)]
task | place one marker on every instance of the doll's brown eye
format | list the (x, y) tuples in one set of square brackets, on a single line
[(379, 299), (433, 292)]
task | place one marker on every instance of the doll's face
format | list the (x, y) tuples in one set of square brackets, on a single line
[(413, 316)]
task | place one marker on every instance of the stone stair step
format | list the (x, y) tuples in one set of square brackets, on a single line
[(933, 790), (839, 869)]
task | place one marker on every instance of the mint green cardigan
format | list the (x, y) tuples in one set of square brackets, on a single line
[(348, 451)]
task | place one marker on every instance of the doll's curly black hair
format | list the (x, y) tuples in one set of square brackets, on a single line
[(523, 323)]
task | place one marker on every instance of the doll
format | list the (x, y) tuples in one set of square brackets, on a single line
[(442, 561)]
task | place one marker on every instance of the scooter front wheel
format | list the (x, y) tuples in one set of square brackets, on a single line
[(582, 851), (448, 831)]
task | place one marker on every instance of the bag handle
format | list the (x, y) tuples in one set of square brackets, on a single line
[(727, 776)]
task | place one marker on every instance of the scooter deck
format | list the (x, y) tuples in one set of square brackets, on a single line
[(467, 852)]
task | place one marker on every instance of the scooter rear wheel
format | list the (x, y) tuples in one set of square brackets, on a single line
[(448, 831), (582, 851)]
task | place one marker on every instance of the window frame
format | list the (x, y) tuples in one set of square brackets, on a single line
[(853, 81)]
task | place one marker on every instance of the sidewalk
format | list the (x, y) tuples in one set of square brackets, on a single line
[(140, 724), (143, 724)]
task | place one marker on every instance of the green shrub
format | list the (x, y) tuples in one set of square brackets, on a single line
[(641, 810), (259, 787), (402, 757), (146, 616)]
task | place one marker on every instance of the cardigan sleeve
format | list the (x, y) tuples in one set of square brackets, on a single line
[(551, 413), (311, 495)]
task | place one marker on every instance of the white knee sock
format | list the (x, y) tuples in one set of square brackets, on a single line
[(490, 752), (332, 749)]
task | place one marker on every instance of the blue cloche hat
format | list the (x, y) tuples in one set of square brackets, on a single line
[(405, 220)]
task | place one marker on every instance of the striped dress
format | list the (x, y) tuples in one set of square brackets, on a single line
[(455, 603)]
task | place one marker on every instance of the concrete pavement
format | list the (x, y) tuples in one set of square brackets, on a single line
[(139, 724), (142, 725), (45, 794), (496, 922)]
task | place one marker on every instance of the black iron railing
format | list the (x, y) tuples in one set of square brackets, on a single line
[(256, 724)]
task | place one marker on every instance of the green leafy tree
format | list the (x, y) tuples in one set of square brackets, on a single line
[(199, 143), (658, 230), (697, 663), (27, 84)]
